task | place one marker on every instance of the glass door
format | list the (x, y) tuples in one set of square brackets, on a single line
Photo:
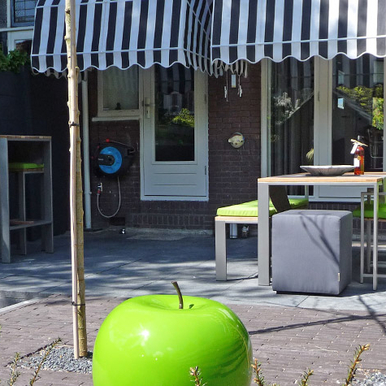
[(291, 123)]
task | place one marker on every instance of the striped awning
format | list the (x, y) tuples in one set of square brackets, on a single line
[(276, 29), (123, 33)]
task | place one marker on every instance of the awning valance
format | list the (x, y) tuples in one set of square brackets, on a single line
[(124, 33), (277, 29)]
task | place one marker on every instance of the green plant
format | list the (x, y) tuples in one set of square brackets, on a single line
[(260, 381), (184, 118), (355, 362), (370, 101), (305, 377), (195, 373), (13, 61), (46, 353), (15, 374)]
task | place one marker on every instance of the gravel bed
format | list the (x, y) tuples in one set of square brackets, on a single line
[(61, 358), (373, 379)]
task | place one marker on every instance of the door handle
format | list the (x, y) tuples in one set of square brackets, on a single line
[(147, 107)]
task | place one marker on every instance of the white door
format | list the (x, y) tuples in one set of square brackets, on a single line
[(174, 135)]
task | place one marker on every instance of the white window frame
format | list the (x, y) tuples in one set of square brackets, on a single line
[(18, 35), (118, 115), (322, 126)]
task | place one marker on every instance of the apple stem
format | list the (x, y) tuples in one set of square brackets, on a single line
[(175, 284)]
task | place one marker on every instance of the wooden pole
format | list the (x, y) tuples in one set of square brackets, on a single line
[(76, 203), (81, 298)]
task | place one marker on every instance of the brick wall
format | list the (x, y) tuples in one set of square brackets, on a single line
[(232, 172), (126, 132)]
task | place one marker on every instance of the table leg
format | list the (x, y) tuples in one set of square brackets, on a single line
[(263, 235), (375, 237), (368, 246), (220, 249), (362, 255)]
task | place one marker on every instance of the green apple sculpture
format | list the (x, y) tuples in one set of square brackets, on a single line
[(155, 340)]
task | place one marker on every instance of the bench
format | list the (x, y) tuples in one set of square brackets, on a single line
[(247, 213)]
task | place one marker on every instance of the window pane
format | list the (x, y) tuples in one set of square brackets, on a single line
[(174, 118), (357, 109), (23, 11), (3, 15), (120, 89), (292, 116)]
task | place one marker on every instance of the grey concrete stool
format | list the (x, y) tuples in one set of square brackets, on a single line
[(311, 251)]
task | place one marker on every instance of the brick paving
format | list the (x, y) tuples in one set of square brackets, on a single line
[(286, 340)]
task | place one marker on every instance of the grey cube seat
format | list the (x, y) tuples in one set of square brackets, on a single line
[(311, 251)]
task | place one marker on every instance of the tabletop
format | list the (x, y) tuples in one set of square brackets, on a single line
[(306, 178)]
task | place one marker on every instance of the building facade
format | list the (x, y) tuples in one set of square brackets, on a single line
[(299, 101)]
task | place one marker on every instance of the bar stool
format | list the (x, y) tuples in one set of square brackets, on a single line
[(366, 213)]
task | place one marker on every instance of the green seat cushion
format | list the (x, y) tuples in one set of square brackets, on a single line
[(369, 211), (250, 208), (24, 166), (246, 209), (297, 203)]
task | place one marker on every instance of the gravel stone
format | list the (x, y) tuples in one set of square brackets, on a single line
[(61, 358), (374, 379)]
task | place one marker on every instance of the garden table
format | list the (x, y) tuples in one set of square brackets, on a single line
[(369, 180)]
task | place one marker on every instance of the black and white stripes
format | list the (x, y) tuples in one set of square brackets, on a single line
[(276, 29), (206, 34), (123, 33)]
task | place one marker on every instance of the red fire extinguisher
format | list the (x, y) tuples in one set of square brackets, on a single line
[(359, 156)]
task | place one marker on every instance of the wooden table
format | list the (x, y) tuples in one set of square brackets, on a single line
[(367, 181)]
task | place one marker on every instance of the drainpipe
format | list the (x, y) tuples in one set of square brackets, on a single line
[(86, 153)]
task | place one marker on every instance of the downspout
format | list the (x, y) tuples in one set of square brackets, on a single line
[(86, 153)]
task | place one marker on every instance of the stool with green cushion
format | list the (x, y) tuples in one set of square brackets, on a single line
[(247, 213), (368, 211)]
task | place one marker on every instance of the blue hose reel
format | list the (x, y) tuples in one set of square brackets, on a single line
[(114, 158)]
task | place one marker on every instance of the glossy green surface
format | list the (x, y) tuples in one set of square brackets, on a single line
[(148, 341)]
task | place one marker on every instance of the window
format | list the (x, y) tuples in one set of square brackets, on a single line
[(174, 115), (3, 14), (298, 128), (292, 116), (118, 93), (289, 133), (23, 12), (20, 40), (357, 109)]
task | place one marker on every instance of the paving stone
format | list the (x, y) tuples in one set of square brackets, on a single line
[(286, 341), (289, 333)]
